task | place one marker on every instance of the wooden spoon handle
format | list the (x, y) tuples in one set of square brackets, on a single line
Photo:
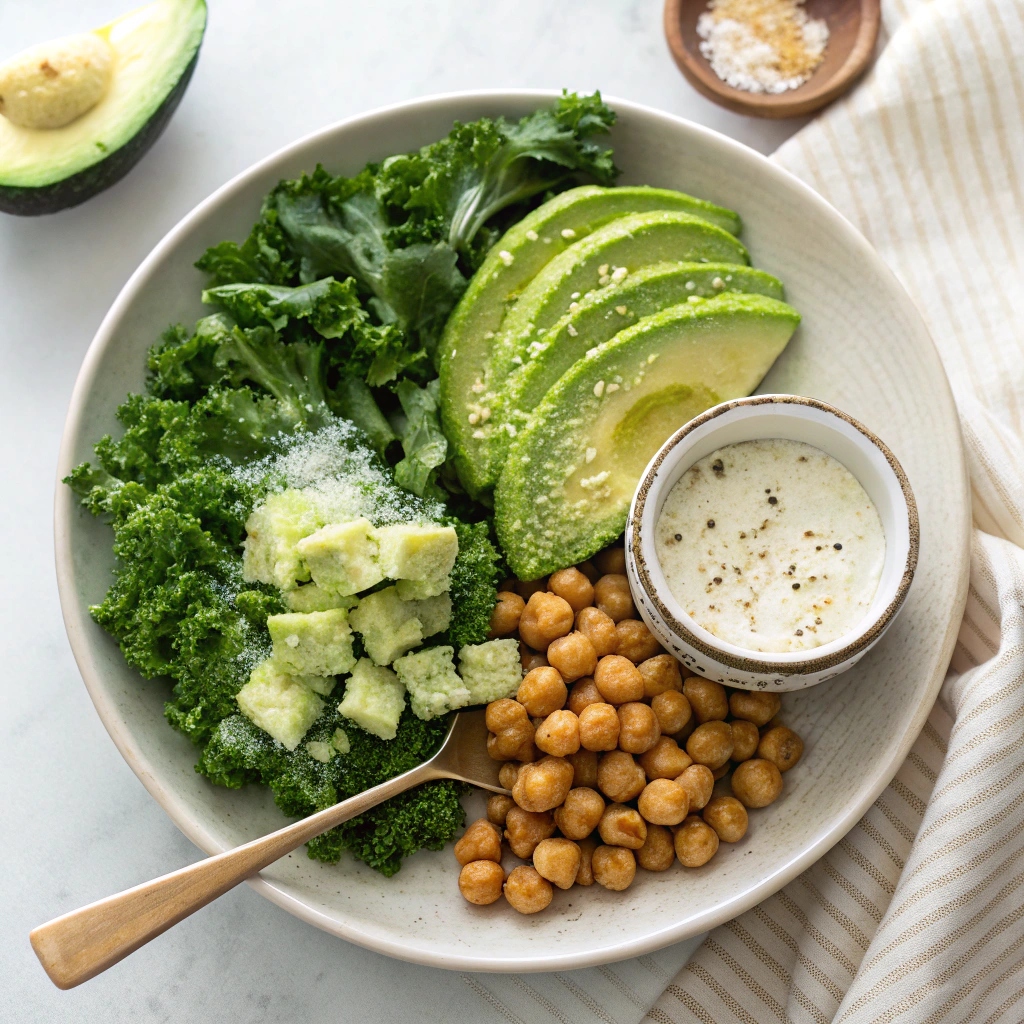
[(85, 942)]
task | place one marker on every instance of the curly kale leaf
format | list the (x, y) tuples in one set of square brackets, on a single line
[(475, 577), (263, 256), (423, 442), (427, 817)]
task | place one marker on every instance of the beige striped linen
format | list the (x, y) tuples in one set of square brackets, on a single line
[(918, 914)]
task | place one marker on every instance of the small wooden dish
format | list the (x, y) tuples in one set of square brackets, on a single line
[(853, 30)]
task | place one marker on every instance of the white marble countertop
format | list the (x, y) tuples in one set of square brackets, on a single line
[(77, 823)]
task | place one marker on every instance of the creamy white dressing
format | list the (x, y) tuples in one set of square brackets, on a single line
[(771, 545)]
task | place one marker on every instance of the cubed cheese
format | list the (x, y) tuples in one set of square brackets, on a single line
[(374, 699), (342, 557), (416, 590), (311, 598), (280, 704), (388, 625), (312, 643), (434, 613), (491, 670), (273, 531), (433, 684), (425, 554)]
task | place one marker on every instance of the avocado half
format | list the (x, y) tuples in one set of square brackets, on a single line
[(155, 51)]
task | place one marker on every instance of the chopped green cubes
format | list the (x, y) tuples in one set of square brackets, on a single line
[(343, 557), (312, 643), (374, 699), (419, 557), (273, 532), (390, 626), (280, 704), (435, 688), (491, 670)]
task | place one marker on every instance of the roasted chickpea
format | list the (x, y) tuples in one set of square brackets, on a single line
[(708, 699), (673, 711), (752, 706), (599, 727), (572, 586), (756, 783), (590, 571), (658, 852), (480, 881), (661, 673), (559, 734), (614, 867), (720, 773), (619, 777), (598, 629), (505, 714), (636, 641), (530, 659), (665, 760), (584, 692), (498, 807), (612, 596), (527, 891), (507, 774), (543, 785), (611, 561), (638, 728), (546, 617), (542, 691), (745, 739), (585, 875), (505, 617), (527, 588), (782, 747), (618, 680), (573, 655), (664, 802), (711, 744), (557, 860), (699, 783), (580, 813), (481, 841), (696, 842), (525, 829), (622, 826), (584, 768), (509, 743), (728, 817)]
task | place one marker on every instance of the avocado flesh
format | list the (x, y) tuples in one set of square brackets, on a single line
[(465, 349), (617, 406), (648, 291), (630, 242), (156, 48)]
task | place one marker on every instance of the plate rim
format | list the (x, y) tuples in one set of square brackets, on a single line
[(76, 619)]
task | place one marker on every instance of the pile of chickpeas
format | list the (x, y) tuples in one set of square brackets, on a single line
[(611, 756)]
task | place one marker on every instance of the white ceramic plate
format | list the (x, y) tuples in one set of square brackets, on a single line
[(862, 346)]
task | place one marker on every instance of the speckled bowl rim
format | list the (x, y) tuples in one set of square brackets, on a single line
[(82, 637), (866, 633)]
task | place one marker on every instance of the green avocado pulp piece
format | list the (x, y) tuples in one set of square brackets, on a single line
[(156, 48), (621, 247), (603, 314), (465, 349), (569, 477)]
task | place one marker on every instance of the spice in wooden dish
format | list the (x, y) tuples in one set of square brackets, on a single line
[(762, 45)]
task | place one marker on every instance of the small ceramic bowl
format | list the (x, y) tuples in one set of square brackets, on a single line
[(758, 418)]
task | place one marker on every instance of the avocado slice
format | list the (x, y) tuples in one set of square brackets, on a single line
[(603, 314), (570, 475), (156, 47), (465, 349), (597, 261)]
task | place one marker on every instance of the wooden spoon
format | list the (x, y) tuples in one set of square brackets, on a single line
[(853, 31), (84, 943)]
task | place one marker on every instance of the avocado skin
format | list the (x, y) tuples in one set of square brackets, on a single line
[(61, 195)]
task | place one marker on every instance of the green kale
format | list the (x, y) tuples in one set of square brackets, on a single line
[(475, 577), (423, 442)]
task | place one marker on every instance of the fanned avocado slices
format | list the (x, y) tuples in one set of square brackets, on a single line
[(601, 315), (154, 51), (603, 258), (565, 490), (523, 251)]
